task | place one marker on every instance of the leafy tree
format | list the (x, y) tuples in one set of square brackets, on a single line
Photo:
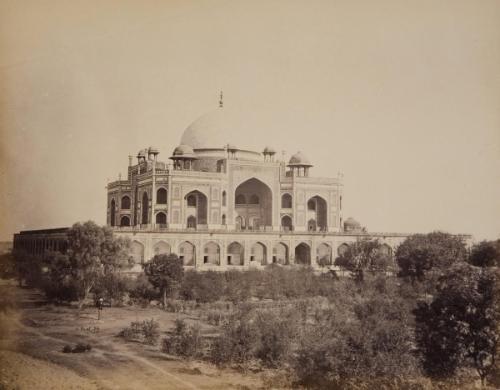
[(28, 268), (203, 287), (486, 254), (92, 252), (364, 255), (7, 266), (460, 326), (165, 272), (421, 253), (364, 344)]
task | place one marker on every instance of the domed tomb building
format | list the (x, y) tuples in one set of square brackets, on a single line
[(218, 204)]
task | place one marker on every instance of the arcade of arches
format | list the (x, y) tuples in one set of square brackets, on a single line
[(279, 253)]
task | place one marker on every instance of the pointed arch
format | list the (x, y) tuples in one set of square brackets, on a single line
[(258, 253), (187, 253), (137, 249), (224, 198), (286, 223), (317, 211), (324, 254), (280, 253), (303, 254), (197, 205), (162, 248), (211, 253), (235, 254), (145, 208), (342, 249), (286, 201), (161, 196), (125, 220), (112, 212), (161, 218), (125, 202), (257, 196)]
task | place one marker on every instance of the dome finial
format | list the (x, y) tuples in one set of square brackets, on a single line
[(221, 100)]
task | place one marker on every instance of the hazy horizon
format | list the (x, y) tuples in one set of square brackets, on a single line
[(403, 99)]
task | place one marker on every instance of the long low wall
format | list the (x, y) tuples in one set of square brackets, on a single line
[(224, 250), (221, 250)]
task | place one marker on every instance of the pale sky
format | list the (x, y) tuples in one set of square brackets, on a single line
[(403, 97)]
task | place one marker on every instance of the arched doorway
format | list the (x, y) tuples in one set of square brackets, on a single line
[(240, 223), (125, 203), (187, 253), (324, 254), (280, 254), (342, 249), (112, 212), (311, 225), (303, 254), (191, 222), (145, 208), (162, 248), (286, 201), (286, 223), (137, 252), (253, 198), (211, 253), (161, 196), (235, 254), (385, 250), (125, 221), (317, 214), (258, 253), (196, 205), (161, 219)]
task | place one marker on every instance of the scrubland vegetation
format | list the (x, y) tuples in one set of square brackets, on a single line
[(431, 322)]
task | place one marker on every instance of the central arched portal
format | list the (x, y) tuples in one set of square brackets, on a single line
[(254, 202)]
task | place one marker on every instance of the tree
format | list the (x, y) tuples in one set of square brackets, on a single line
[(165, 272), (364, 255), (421, 253), (92, 252), (460, 326), (27, 268), (486, 254)]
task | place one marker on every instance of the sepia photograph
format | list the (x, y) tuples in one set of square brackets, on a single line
[(249, 194)]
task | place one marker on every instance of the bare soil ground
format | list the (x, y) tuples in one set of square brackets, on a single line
[(33, 334)]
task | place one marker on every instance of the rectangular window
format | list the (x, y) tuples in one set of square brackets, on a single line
[(205, 259)]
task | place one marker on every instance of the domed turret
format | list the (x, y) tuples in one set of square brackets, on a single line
[(183, 157), (299, 160), (299, 165), (268, 153), (351, 225), (183, 151)]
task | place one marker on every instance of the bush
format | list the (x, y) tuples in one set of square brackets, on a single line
[(186, 341), (203, 287), (113, 287), (147, 331), (78, 348), (150, 331), (142, 291)]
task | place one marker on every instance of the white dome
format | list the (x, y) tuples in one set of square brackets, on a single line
[(218, 128)]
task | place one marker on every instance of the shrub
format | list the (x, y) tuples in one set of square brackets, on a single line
[(147, 331), (78, 348), (186, 341), (141, 290), (203, 287), (150, 331)]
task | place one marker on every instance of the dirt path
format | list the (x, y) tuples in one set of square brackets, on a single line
[(33, 334)]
